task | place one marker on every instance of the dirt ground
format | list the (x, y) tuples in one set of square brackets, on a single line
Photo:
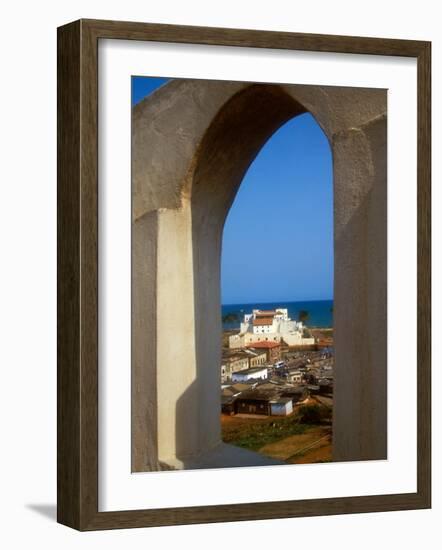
[(320, 333), (314, 444), (321, 453)]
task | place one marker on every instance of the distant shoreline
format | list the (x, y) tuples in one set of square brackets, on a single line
[(276, 302), (320, 312)]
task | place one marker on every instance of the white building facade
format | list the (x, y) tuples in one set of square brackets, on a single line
[(258, 373), (269, 325)]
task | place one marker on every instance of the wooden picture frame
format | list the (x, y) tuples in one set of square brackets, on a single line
[(78, 274)]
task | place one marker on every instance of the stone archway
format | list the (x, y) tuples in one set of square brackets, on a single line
[(192, 143)]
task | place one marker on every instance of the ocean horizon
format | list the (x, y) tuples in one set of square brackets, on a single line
[(320, 311)]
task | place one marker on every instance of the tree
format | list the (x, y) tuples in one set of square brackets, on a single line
[(310, 414), (314, 414), (230, 318), (303, 315)]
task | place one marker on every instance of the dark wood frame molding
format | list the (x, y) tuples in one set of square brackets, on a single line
[(77, 225)]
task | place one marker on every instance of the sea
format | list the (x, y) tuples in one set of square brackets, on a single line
[(320, 312)]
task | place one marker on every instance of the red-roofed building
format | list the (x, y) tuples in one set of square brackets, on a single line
[(265, 313), (262, 321), (272, 349), (264, 325)]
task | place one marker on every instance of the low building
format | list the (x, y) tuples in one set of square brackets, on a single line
[(294, 376), (281, 407), (325, 386), (228, 405), (233, 362), (297, 394), (273, 385), (313, 389), (247, 405), (272, 350), (257, 358), (255, 401), (257, 373), (325, 343), (267, 402), (267, 398), (244, 386), (229, 394)]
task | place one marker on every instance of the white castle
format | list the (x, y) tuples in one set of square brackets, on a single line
[(269, 325)]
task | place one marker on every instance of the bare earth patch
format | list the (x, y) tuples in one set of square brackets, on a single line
[(318, 454), (281, 438), (296, 447)]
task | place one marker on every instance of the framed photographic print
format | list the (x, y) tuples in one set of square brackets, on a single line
[(243, 275)]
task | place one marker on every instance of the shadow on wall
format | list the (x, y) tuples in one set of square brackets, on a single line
[(219, 454)]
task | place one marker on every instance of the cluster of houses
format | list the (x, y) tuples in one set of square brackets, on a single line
[(276, 389), (266, 369), (260, 354), (268, 398)]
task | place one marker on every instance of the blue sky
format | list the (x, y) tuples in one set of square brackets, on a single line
[(278, 236)]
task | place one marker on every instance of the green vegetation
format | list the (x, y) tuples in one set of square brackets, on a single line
[(303, 316), (256, 434), (230, 318), (314, 414)]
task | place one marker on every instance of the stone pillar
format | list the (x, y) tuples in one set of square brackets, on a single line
[(177, 383), (144, 343), (360, 301)]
